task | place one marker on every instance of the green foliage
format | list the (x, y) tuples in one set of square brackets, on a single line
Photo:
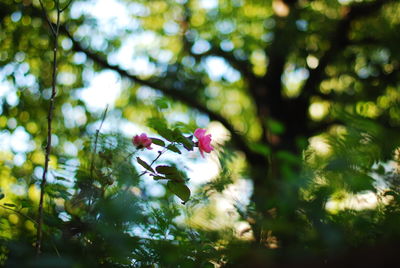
[(302, 98)]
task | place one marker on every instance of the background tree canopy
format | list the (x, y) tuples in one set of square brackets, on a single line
[(302, 100)]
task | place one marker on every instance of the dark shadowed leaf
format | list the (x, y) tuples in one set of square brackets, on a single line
[(158, 142), (173, 148), (144, 164), (171, 173), (179, 189), (159, 178)]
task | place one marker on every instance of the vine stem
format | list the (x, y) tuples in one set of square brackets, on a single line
[(55, 33)]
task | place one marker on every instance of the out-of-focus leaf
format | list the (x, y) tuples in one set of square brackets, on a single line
[(159, 178), (159, 125), (173, 148), (171, 173), (179, 189), (144, 164), (260, 148), (275, 126), (161, 103), (167, 170), (158, 142)]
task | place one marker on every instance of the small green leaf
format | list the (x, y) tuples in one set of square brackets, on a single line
[(275, 126), (181, 139), (60, 178), (161, 103), (260, 148), (171, 173), (173, 148), (288, 157), (144, 164), (158, 142), (160, 125), (186, 142), (9, 205), (26, 204), (159, 178), (179, 189), (167, 170)]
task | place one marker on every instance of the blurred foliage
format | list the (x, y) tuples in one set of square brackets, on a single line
[(302, 100)]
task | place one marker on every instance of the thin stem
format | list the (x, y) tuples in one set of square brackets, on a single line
[(159, 155), (30, 219), (20, 213), (152, 162), (95, 141), (144, 172), (47, 18), (55, 33), (66, 6)]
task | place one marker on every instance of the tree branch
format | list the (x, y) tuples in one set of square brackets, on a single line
[(243, 67), (338, 41), (55, 33), (175, 94), (238, 140)]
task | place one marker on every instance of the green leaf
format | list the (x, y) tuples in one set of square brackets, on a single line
[(158, 142), (186, 142), (161, 103), (159, 125), (26, 204), (171, 173), (275, 126), (260, 148), (167, 170), (144, 164), (288, 157), (181, 139), (60, 178), (337, 164), (159, 178), (359, 182), (179, 189), (173, 148)]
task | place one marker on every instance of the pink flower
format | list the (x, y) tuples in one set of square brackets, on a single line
[(204, 141), (142, 141)]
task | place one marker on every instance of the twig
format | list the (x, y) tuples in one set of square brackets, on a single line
[(95, 141), (47, 18), (55, 32), (30, 219), (66, 6), (20, 213)]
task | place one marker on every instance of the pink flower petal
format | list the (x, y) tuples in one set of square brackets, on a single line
[(142, 141), (198, 133)]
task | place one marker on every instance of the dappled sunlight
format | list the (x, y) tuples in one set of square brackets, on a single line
[(103, 90), (199, 133)]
